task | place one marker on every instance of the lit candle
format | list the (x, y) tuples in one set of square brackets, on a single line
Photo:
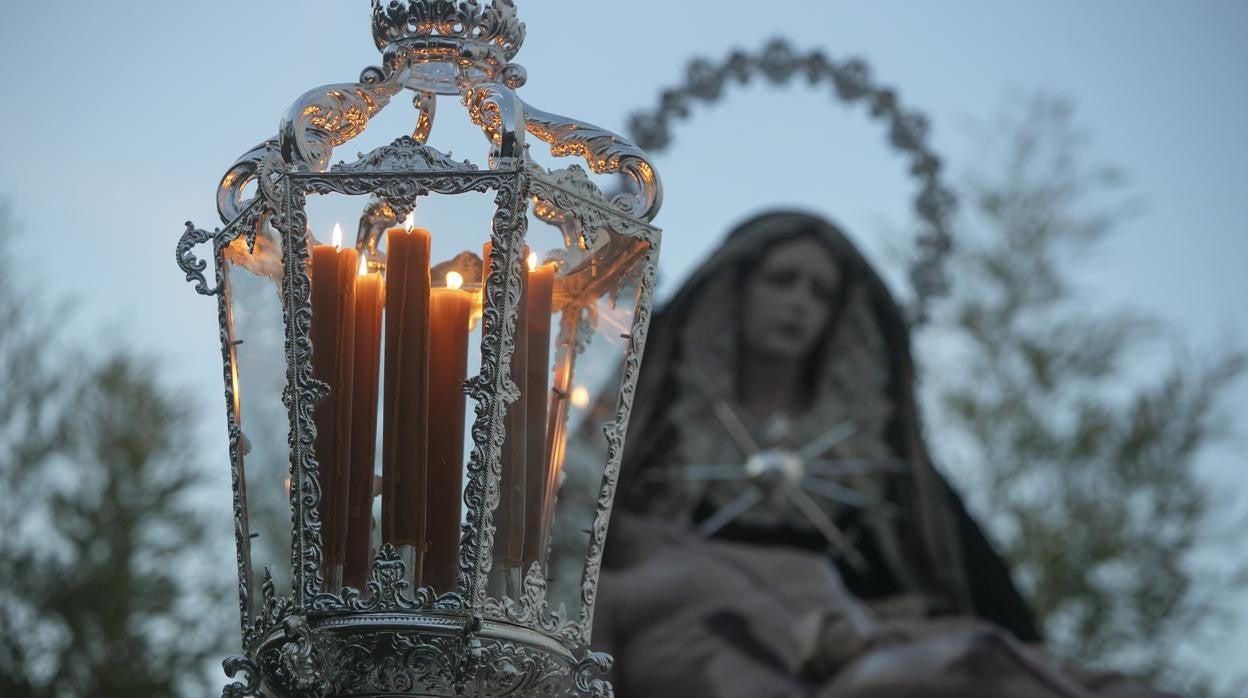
[(332, 334), (539, 299), (368, 300), (406, 398), (509, 518), (450, 312)]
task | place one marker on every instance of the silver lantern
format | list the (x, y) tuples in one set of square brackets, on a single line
[(399, 409)]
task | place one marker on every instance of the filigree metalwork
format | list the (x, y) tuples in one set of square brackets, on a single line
[(296, 667), (402, 20), (531, 609), (243, 172), (426, 104), (326, 117), (556, 193), (301, 394), (193, 266), (405, 154), (779, 63), (605, 153), (589, 670), (248, 688), (493, 389), (274, 612), (486, 37), (353, 660), (499, 113), (387, 590)]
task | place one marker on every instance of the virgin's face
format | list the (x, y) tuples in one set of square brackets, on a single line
[(788, 300)]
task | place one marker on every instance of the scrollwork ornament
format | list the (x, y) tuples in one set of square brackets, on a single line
[(387, 590), (297, 668), (850, 81), (589, 672), (493, 34), (301, 395), (426, 104), (499, 113), (493, 389), (326, 117), (533, 610), (605, 153), (244, 171), (250, 687), (406, 154), (276, 608), (193, 266)]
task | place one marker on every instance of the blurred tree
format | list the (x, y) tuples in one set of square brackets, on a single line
[(1082, 439), (104, 590)]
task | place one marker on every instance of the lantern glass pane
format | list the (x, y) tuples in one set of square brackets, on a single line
[(257, 344), (403, 330), (597, 303)]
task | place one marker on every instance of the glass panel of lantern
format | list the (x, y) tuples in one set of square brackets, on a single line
[(396, 329), (256, 371), (601, 289)]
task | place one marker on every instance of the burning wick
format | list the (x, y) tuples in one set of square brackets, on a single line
[(363, 267), (410, 221), (532, 261), (336, 237), (454, 280)]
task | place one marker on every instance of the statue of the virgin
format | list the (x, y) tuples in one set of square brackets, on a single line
[(780, 529)]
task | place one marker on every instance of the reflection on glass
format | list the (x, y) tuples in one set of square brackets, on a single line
[(259, 356)]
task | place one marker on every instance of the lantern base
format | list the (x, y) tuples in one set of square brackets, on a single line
[(425, 654)]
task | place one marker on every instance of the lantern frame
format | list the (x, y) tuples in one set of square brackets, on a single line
[(386, 639)]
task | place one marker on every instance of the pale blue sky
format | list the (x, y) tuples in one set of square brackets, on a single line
[(120, 117)]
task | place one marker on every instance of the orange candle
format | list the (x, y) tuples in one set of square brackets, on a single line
[(332, 333), (367, 353), (509, 518), (406, 399), (539, 300), (557, 430), (450, 311)]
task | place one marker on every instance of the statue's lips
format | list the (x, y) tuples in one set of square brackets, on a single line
[(794, 329)]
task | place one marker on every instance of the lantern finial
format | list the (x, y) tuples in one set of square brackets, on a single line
[(484, 36)]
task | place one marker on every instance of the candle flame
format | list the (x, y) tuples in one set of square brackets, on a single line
[(580, 397), (532, 261), (363, 267), (454, 280), (410, 221), (336, 237)]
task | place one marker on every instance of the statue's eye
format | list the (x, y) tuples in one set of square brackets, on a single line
[(780, 277)]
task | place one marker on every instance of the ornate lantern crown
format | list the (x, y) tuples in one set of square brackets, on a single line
[(422, 481), (483, 38)]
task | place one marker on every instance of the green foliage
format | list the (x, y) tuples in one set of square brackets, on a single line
[(1082, 438), (103, 591)]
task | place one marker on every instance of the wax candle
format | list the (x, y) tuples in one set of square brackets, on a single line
[(406, 399), (509, 517), (557, 429), (450, 310), (367, 353), (539, 300), (332, 330)]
